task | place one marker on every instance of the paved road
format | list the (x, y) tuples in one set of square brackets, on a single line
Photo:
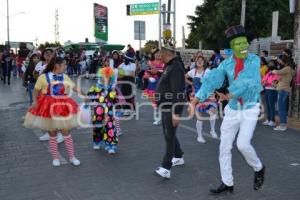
[(26, 172)]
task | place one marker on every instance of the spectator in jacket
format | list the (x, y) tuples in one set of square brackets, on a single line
[(284, 88)]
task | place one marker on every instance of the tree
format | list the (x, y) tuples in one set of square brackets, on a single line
[(149, 45), (49, 45), (214, 16)]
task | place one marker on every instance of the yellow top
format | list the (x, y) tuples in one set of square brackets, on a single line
[(263, 70), (42, 84)]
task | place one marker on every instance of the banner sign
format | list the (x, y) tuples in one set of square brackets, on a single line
[(101, 22)]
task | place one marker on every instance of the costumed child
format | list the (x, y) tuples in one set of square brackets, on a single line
[(209, 106), (53, 109), (104, 97), (153, 75)]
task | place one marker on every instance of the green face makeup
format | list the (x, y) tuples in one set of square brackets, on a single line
[(239, 47)]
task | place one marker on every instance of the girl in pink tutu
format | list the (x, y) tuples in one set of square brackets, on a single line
[(153, 75), (54, 109)]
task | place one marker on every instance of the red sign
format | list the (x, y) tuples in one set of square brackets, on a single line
[(100, 11)]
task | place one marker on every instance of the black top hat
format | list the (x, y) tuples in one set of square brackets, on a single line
[(234, 32)]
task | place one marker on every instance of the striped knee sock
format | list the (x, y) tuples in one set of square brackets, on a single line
[(53, 148), (69, 146)]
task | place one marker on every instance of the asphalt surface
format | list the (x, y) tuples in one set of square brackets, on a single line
[(26, 172)]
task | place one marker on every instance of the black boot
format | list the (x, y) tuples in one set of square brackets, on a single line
[(259, 178), (221, 189)]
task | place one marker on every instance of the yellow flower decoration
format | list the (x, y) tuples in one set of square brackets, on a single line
[(101, 99), (92, 89), (104, 136), (112, 94), (97, 89)]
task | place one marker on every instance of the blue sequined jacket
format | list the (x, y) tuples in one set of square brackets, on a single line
[(247, 85)]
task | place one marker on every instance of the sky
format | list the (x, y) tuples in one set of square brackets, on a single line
[(76, 20)]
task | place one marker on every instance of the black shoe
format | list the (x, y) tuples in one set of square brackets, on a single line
[(221, 189), (259, 178)]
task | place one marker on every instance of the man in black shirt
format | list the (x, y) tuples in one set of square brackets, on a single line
[(170, 97)]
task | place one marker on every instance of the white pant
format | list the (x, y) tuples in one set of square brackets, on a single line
[(243, 121)]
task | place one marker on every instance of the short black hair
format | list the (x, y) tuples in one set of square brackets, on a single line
[(263, 61), (265, 52), (43, 53), (217, 51)]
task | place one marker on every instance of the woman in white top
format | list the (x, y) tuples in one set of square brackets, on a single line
[(210, 106), (128, 82), (47, 55)]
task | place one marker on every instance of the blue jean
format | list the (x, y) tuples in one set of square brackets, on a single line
[(70, 70), (14, 67), (30, 90), (271, 99), (282, 104)]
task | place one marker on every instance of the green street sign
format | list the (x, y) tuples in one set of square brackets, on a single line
[(143, 9)]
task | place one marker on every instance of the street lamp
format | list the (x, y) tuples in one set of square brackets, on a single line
[(7, 18)]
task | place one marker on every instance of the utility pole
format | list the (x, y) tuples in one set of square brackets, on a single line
[(296, 106), (297, 33), (7, 15), (183, 38), (167, 26), (174, 21), (56, 27), (159, 25), (140, 47), (169, 14), (243, 13)]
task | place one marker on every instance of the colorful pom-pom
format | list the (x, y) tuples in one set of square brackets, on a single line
[(112, 94), (99, 111), (111, 133), (92, 89), (121, 73), (97, 89), (101, 99)]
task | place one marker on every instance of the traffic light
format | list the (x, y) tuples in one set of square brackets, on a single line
[(128, 10)]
